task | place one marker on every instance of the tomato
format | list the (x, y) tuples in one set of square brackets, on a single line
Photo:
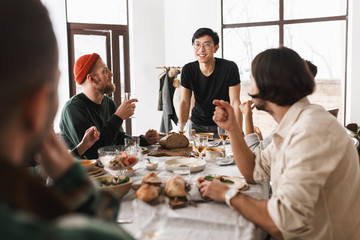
[(132, 160), (201, 179), (125, 162), (128, 169), (123, 155)]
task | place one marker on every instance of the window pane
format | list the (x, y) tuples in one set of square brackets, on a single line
[(241, 45), (244, 11), (324, 45), (86, 44), (95, 11), (298, 9)]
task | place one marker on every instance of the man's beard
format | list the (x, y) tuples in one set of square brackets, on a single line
[(109, 88)]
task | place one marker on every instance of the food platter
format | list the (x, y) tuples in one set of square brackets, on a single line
[(233, 182), (196, 165)]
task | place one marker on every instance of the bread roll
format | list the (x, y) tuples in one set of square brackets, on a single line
[(175, 186), (151, 178), (147, 192), (174, 140)]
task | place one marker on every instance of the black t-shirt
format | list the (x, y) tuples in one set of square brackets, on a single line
[(206, 89)]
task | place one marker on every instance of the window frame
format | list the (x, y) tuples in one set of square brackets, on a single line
[(281, 22)]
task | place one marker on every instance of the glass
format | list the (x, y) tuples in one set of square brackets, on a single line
[(129, 96), (207, 45), (182, 169), (97, 12), (223, 135), (244, 11), (323, 43), (87, 44), (200, 143), (151, 219), (299, 9), (183, 128), (114, 158)]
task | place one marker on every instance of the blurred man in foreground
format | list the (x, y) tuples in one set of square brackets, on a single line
[(311, 161), (29, 101)]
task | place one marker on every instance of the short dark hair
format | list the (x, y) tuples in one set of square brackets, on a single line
[(28, 50), (281, 76), (203, 32)]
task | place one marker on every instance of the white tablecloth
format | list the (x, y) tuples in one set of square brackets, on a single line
[(209, 220)]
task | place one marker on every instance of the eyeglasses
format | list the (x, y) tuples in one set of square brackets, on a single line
[(207, 46)]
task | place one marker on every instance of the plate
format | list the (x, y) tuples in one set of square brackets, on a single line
[(239, 183), (196, 165)]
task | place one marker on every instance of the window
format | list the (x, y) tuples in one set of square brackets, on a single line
[(101, 27), (317, 30)]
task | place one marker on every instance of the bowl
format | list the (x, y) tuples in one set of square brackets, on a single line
[(89, 165), (196, 165), (209, 135), (114, 158), (119, 190), (151, 166)]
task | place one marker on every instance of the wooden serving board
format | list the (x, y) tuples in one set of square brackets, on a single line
[(171, 152)]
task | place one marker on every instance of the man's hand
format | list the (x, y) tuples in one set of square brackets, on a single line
[(214, 190), (224, 115), (90, 137), (247, 107), (152, 136), (54, 157), (126, 109)]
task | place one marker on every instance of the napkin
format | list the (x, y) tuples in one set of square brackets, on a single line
[(224, 161)]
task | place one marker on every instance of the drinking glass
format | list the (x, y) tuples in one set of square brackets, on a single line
[(201, 143), (129, 96), (223, 135), (183, 128)]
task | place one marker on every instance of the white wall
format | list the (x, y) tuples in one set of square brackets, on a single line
[(147, 40), (57, 12), (353, 77)]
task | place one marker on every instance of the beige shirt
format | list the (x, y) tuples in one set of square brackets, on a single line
[(314, 169)]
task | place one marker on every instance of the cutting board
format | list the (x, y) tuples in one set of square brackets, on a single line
[(171, 152)]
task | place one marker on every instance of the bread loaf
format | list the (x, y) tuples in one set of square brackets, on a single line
[(174, 140), (175, 186), (147, 192), (151, 178)]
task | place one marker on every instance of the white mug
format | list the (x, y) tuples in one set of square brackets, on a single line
[(214, 152)]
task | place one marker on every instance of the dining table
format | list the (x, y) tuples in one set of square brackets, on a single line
[(207, 220)]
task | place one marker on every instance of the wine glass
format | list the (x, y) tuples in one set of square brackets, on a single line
[(223, 135), (201, 143), (129, 96), (183, 128)]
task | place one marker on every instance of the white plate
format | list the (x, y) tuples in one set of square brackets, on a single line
[(196, 165)]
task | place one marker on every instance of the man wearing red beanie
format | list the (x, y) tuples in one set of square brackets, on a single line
[(93, 108)]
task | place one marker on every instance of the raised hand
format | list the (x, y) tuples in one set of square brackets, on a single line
[(126, 109), (90, 137), (224, 115)]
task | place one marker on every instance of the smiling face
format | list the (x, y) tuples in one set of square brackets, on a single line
[(204, 49)]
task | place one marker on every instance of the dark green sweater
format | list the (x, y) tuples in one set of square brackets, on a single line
[(80, 113)]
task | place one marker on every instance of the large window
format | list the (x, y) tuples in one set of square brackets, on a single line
[(317, 30)]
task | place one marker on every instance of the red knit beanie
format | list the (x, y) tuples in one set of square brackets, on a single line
[(83, 66)]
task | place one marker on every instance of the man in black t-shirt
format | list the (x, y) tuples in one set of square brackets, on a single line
[(208, 78)]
